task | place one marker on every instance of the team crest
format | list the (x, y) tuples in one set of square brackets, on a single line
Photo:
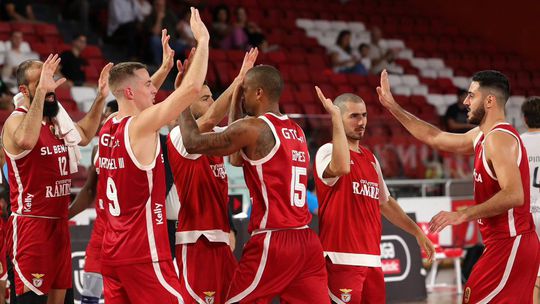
[(209, 299), (38, 279), (467, 295), (345, 295)]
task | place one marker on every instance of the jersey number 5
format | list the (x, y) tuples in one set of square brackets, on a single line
[(298, 190), (114, 207)]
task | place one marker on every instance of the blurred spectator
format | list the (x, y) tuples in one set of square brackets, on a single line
[(253, 32), (381, 58), (183, 29), (456, 115), (161, 17), (14, 56), (18, 10), (6, 97), (363, 49), (344, 58), (224, 35), (434, 166), (122, 28), (72, 63)]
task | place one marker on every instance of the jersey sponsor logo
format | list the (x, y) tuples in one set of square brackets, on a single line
[(51, 150), (477, 177), (61, 188), (299, 156), (467, 295), (158, 211), (346, 295), (27, 207), (109, 141), (209, 297), (292, 134), (219, 171), (38, 279), (366, 188)]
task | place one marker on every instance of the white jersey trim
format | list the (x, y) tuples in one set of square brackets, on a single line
[(274, 149), (264, 193), (152, 240), (20, 187), (185, 275), (354, 259), (176, 139), (131, 154), (322, 160), (258, 275), (477, 139), (4, 277), (259, 231), (506, 274), (16, 265), (190, 237)]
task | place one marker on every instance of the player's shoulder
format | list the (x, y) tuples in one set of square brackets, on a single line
[(324, 151)]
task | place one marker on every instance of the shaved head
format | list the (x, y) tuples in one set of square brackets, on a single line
[(344, 98), (268, 79)]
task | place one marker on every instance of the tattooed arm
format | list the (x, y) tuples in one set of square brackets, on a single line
[(250, 134)]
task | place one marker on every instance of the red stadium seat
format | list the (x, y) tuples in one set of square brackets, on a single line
[(91, 51)]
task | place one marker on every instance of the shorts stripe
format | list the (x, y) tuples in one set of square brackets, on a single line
[(184, 274), (259, 273), (334, 298), (506, 274), (16, 264)]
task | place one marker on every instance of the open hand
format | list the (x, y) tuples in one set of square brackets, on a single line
[(46, 79), (103, 82)]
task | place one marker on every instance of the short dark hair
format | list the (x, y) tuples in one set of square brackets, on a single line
[(494, 80), (113, 105), (77, 35), (531, 112), (341, 35), (268, 78), (216, 11), (21, 73), (122, 71), (363, 45)]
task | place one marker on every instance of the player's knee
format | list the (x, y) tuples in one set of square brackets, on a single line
[(92, 285), (31, 298)]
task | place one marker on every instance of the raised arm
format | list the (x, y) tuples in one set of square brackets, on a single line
[(392, 211), (219, 109), (501, 152), (152, 119), (22, 131), (340, 163), (422, 130), (158, 78), (239, 135), (89, 124)]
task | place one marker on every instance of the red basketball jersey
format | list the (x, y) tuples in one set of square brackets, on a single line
[(349, 209), (134, 200), (517, 220), (39, 179), (201, 183), (277, 182)]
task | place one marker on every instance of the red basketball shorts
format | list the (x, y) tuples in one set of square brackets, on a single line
[(206, 270), (41, 253), (288, 263), (506, 271), (355, 284)]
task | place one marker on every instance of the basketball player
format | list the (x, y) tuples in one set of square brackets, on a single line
[(92, 278), (353, 195), (531, 141), (136, 258), (507, 269), (205, 260), (40, 182), (283, 257)]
